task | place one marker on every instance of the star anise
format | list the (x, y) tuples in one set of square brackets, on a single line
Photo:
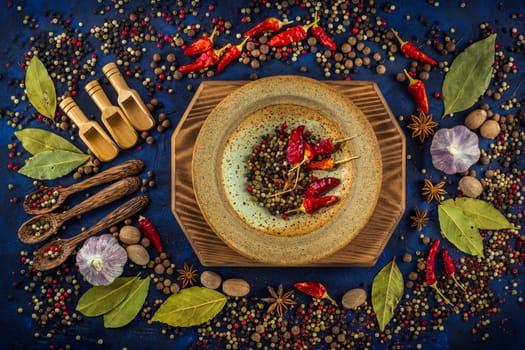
[(422, 126), (187, 275), (419, 220), (278, 300), (433, 191)]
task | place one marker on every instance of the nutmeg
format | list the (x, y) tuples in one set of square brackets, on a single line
[(129, 234), (235, 287), (470, 186), (475, 119), (490, 129), (138, 254)]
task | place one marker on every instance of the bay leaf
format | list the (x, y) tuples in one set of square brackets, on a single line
[(98, 300), (460, 230), (39, 140), (484, 215), (387, 290), (128, 309), (40, 89), (49, 165), (190, 307), (469, 76)]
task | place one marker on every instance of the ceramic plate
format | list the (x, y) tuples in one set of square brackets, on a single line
[(219, 170)]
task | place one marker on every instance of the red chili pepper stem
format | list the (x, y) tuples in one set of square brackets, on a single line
[(445, 299), (457, 283), (396, 34), (344, 139), (411, 81), (345, 160)]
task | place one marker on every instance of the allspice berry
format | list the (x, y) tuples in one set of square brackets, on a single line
[(490, 129), (475, 119), (470, 186)]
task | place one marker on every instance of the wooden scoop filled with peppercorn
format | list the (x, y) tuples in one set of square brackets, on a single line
[(56, 252), (40, 227), (46, 200)]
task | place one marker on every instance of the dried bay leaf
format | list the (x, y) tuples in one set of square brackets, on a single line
[(126, 311), (39, 140), (190, 307), (40, 89), (469, 76), (49, 165), (98, 300), (460, 230), (484, 215), (387, 290)]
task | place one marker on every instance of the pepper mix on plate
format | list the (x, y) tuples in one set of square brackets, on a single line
[(280, 174)]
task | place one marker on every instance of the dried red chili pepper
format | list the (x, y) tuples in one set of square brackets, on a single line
[(320, 187), (327, 163), (150, 231), (450, 269), (295, 150), (327, 146), (412, 51), (430, 274), (416, 88), (291, 35), (205, 60), (311, 205), (230, 55), (200, 45), (314, 289), (321, 36), (271, 24)]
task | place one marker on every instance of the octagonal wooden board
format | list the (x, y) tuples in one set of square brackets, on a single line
[(364, 250)]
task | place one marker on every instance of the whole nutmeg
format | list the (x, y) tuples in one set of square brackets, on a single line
[(235, 287), (210, 279), (470, 186), (354, 298), (129, 234), (490, 129), (475, 119), (138, 254)]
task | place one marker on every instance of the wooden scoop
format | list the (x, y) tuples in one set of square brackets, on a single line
[(113, 118), (128, 168), (65, 247), (129, 100), (90, 132), (54, 221)]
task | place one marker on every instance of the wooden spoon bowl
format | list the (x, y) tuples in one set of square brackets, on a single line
[(51, 222), (62, 248), (128, 168)]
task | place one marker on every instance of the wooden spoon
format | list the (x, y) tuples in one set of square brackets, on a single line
[(128, 168), (54, 221), (64, 247)]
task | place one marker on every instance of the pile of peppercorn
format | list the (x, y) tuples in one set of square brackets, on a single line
[(280, 167)]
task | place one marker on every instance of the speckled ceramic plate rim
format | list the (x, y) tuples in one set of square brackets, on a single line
[(207, 180)]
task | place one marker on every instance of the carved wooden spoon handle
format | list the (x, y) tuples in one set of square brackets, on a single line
[(107, 195), (130, 208), (128, 168)]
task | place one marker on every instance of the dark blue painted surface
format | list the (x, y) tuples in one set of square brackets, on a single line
[(18, 330)]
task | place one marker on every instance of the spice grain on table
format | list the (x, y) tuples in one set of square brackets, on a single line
[(165, 53)]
